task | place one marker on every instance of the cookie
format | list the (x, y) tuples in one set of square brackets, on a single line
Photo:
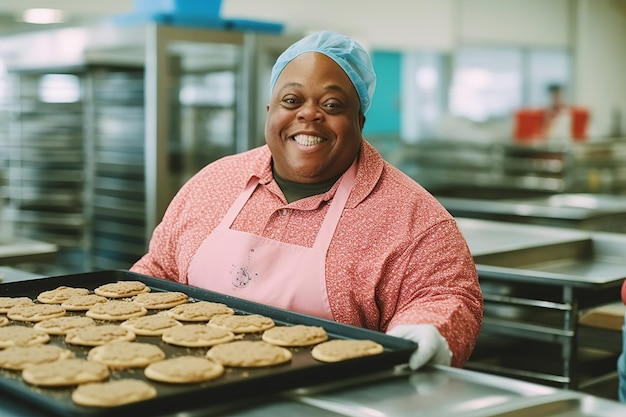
[(161, 300), (240, 323), (98, 335), (65, 372), (60, 294), (122, 355), (7, 302), (121, 289), (61, 325), (297, 335), (199, 311), (3, 321), (19, 357), (184, 369), (113, 393), (35, 312), (21, 336), (82, 302), (249, 354), (116, 310), (196, 335), (343, 349), (153, 325)]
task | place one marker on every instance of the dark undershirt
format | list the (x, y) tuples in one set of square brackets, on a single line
[(294, 191)]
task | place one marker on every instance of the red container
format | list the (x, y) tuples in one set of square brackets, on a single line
[(529, 124), (580, 121)]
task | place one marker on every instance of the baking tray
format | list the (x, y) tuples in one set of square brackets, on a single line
[(237, 384)]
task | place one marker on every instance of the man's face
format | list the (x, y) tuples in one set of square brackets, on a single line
[(314, 125)]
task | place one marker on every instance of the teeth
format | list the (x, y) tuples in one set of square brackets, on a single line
[(307, 140)]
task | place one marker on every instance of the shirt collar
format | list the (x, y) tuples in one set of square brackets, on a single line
[(369, 169)]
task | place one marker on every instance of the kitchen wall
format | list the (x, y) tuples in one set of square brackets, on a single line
[(595, 30), (601, 61), (390, 24)]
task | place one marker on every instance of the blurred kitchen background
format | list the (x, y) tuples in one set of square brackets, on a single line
[(107, 110), (104, 114)]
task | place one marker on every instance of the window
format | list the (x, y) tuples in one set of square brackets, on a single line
[(422, 94), (486, 83), (493, 82)]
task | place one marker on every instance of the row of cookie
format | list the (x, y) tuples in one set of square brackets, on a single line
[(91, 379), (50, 365), (53, 366), (24, 309), (217, 314), (79, 298)]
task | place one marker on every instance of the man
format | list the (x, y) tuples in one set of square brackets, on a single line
[(317, 222)]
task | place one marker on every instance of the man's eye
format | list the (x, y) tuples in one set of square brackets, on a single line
[(289, 100), (333, 106)]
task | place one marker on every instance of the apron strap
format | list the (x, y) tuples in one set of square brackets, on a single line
[(331, 220), (338, 203), (234, 210)]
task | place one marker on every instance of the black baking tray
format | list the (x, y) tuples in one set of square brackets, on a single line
[(236, 385)]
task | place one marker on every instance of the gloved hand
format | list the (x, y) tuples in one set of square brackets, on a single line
[(432, 348)]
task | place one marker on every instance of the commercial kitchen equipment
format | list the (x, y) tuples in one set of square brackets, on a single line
[(586, 211), (500, 168), (15, 250), (432, 391), (536, 280)]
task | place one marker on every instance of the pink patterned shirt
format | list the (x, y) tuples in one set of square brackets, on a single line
[(397, 256)]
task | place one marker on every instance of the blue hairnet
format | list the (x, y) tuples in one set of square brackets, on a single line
[(345, 51)]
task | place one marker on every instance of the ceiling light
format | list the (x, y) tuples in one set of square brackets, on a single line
[(42, 16)]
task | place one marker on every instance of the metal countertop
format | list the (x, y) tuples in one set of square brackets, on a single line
[(433, 391), (585, 211), (488, 236), (546, 254), (14, 250), (559, 206)]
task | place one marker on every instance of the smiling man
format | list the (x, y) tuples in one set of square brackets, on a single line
[(315, 221)]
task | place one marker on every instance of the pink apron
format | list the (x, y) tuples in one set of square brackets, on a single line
[(267, 271)]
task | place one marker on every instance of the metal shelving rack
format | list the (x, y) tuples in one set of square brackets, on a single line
[(4, 156), (450, 167), (132, 140), (46, 175), (116, 167)]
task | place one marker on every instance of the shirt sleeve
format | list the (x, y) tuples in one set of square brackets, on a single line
[(162, 259), (440, 286)]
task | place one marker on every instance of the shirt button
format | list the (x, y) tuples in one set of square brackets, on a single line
[(283, 212)]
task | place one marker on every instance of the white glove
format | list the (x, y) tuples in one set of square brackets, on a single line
[(432, 348)]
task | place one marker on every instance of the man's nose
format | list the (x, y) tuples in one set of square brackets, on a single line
[(310, 111)]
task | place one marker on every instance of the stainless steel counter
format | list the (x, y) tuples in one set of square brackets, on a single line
[(486, 237), (594, 212), (436, 391), (9, 274), (15, 250), (535, 281), (546, 254)]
